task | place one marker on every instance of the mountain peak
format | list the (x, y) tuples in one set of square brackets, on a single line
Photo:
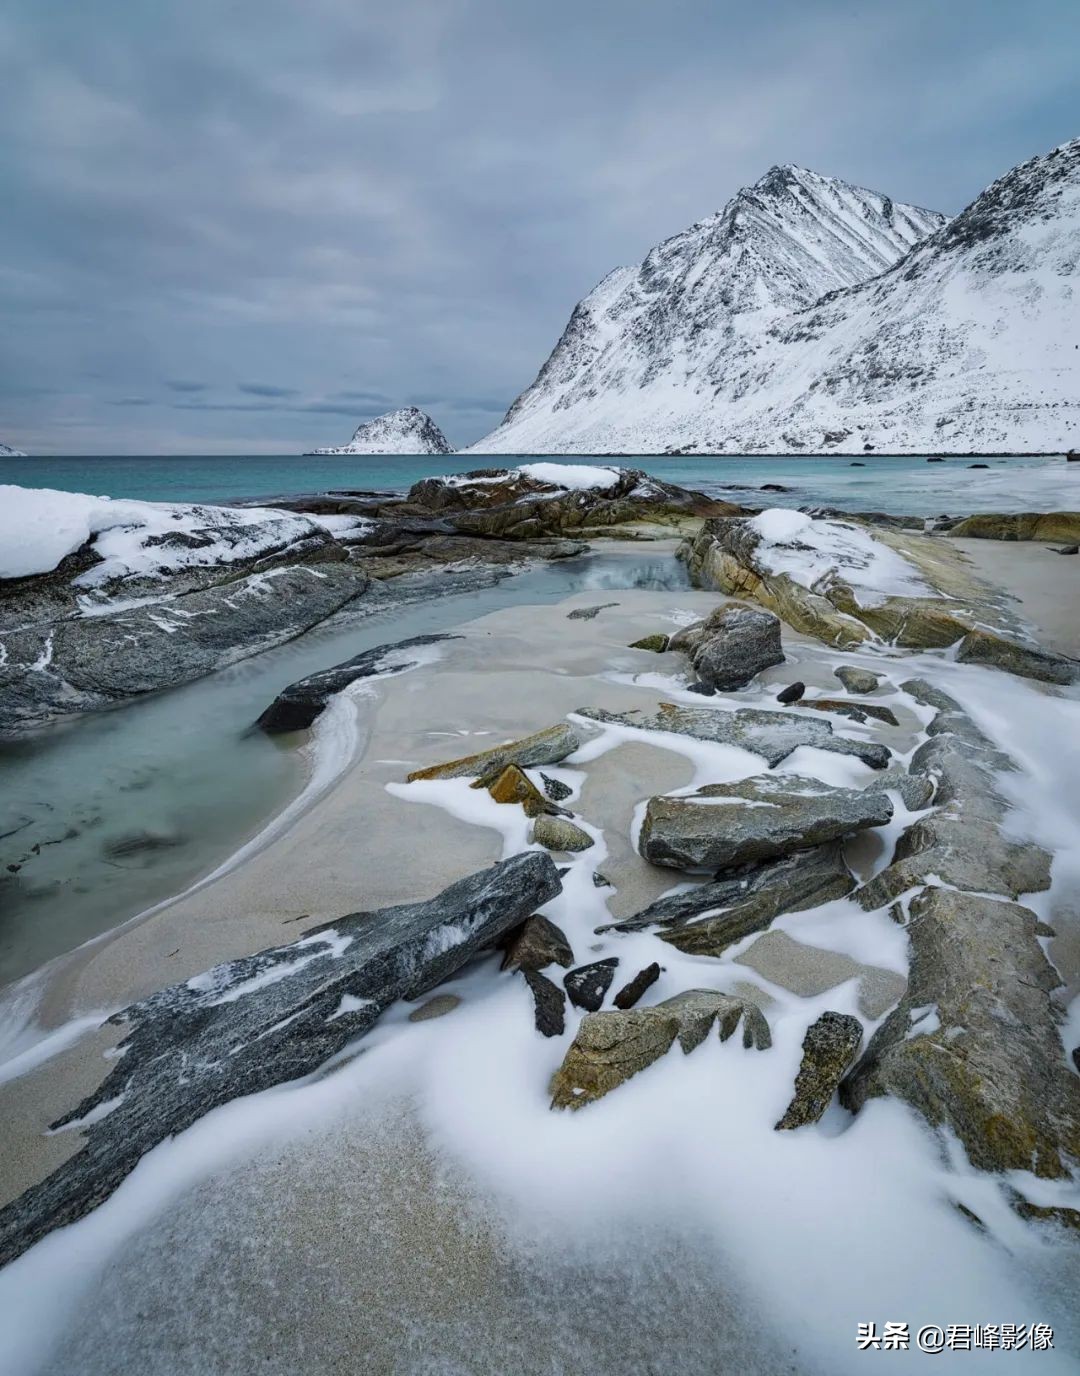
[(407, 430)]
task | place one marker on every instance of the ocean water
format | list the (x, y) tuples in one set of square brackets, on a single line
[(905, 486)]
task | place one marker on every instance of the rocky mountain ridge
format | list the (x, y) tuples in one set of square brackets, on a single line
[(405, 431)]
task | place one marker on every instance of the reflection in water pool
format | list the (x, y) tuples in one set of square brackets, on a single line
[(104, 815)]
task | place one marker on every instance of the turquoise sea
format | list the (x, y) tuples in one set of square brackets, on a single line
[(909, 486)]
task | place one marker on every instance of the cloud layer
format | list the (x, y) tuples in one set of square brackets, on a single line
[(247, 228)]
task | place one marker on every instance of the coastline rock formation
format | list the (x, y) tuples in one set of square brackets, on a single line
[(811, 316), (262, 1020), (407, 431), (6, 452)]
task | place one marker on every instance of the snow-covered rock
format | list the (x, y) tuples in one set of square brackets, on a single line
[(6, 452), (408, 431), (812, 316)]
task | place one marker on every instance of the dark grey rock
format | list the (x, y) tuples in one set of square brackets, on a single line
[(829, 1047), (600, 881), (792, 693), (298, 705), (708, 919), (589, 613), (549, 1004), (257, 1022), (975, 1044), (739, 642), (772, 735), (588, 984), (857, 680), (555, 789), (711, 829), (629, 994), (1068, 549), (536, 944)]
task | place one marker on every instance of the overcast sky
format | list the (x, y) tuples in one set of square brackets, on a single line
[(247, 225)]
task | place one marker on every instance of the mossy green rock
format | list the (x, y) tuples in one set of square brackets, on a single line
[(657, 643)]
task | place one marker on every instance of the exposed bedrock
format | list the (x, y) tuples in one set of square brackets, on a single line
[(89, 662), (976, 1042), (723, 825), (257, 1022), (772, 735)]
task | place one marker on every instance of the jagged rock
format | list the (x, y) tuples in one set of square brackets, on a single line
[(1026, 661), (549, 1004), (537, 943), (657, 643), (259, 1021), (829, 1047), (792, 693), (545, 747), (738, 643), (588, 984), (298, 705), (857, 680), (589, 613), (609, 1048), (512, 785), (555, 789), (975, 1044), (963, 850), (772, 735), (698, 1009), (629, 994), (723, 825), (437, 1007), (708, 919), (857, 711), (557, 833)]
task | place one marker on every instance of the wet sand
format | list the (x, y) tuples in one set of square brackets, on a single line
[(1044, 587)]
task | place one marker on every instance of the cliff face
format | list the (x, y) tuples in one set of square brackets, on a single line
[(811, 315)]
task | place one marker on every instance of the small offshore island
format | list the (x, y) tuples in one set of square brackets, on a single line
[(625, 930)]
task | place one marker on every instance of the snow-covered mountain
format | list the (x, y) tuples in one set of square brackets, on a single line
[(6, 452), (811, 315), (408, 431)]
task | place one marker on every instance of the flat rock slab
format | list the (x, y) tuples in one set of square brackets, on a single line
[(857, 711), (724, 825), (975, 1044), (545, 747), (811, 970), (302, 702), (253, 1023), (829, 1047), (772, 735)]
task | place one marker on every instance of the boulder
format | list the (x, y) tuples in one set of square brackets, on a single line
[(513, 785), (772, 735), (829, 1047), (260, 1021), (545, 747), (975, 1044), (629, 994), (609, 1048), (549, 1004), (1026, 661), (296, 707), (738, 643), (557, 833), (792, 693), (536, 944), (588, 984), (857, 680), (724, 825)]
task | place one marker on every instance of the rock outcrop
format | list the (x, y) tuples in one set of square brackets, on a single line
[(724, 825), (262, 1020)]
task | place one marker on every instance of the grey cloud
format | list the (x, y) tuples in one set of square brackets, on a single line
[(371, 203)]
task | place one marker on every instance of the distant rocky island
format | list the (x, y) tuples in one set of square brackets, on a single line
[(6, 452), (407, 431)]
